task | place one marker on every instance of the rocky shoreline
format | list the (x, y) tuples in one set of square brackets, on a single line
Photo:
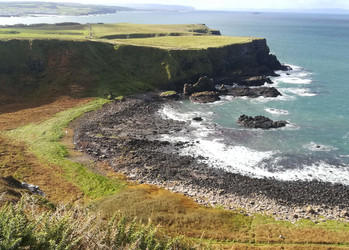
[(129, 135)]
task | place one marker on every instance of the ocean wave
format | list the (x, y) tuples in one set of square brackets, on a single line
[(216, 154), (295, 80), (258, 164), (276, 111), (312, 146), (320, 171), (297, 75), (168, 112), (299, 91), (283, 97)]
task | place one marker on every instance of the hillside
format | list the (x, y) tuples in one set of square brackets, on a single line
[(8, 9)]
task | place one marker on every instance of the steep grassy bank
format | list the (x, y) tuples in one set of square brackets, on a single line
[(43, 140)]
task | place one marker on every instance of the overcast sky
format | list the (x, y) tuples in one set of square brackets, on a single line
[(230, 4)]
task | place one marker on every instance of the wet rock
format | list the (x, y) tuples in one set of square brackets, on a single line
[(197, 119), (255, 81), (259, 122), (254, 92), (205, 97)]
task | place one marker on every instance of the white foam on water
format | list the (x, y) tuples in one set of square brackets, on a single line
[(312, 146), (168, 112), (320, 171), (295, 80), (276, 111), (346, 136), (235, 159), (297, 76), (299, 91), (248, 162), (283, 97)]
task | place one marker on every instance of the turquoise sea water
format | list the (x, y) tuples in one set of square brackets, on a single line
[(315, 96)]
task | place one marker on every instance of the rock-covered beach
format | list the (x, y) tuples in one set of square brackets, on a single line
[(129, 135)]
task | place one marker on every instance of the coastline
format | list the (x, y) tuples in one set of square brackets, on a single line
[(126, 134)]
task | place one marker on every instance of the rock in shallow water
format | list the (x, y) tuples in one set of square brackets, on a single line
[(254, 92), (259, 122)]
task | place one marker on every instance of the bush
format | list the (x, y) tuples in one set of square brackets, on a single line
[(25, 225)]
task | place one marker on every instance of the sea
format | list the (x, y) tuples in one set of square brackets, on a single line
[(315, 96)]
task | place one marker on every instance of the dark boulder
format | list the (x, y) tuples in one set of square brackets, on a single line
[(254, 92), (205, 97), (197, 119), (203, 84), (255, 81), (259, 122)]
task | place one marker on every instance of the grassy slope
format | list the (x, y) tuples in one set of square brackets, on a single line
[(44, 142)]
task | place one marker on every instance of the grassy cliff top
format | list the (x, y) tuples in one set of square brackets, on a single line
[(187, 42), (180, 36), (76, 31)]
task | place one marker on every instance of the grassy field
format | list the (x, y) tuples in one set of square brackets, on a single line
[(181, 36), (188, 42)]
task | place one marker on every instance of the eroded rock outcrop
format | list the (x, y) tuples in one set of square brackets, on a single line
[(259, 122), (253, 92), (203, 84)]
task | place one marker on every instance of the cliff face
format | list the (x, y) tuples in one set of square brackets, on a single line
[(44, 69)]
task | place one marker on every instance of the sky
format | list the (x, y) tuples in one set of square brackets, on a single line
[(229, 4)]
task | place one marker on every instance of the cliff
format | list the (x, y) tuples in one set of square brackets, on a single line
[(45, 69)]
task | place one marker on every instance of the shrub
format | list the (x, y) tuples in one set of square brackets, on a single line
[(25, 225)]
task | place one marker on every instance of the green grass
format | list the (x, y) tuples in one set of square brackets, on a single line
[(180, 36), (100, 31), (43, 140), (103, 30), (188, 42)]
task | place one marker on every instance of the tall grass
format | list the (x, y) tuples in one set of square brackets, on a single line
[(25, 226)]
